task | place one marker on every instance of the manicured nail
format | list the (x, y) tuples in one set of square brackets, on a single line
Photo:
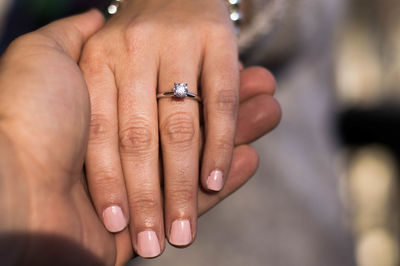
[(148, 245), (181, 233), (114, 219), (215, 181)]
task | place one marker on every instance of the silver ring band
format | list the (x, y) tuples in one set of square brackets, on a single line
[(180, 91)]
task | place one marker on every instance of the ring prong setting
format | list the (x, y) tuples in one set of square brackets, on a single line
[(180, 90)]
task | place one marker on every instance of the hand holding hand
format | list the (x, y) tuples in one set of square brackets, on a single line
[(44, 123)]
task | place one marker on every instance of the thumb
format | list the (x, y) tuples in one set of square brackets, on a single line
[(69, 34)]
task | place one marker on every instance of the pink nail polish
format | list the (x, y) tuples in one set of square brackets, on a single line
[(148, 245), (215, 181), (114, 219), (181, 233)]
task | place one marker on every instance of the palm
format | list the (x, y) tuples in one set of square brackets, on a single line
[(55, 113)]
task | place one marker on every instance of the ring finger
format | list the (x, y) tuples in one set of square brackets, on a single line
[(179, 131)]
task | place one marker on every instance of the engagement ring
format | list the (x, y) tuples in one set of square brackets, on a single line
[(180, 91)]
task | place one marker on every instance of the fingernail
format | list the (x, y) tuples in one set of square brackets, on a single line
[(148, 245), (181, 233), (114, 219), (215, 181)]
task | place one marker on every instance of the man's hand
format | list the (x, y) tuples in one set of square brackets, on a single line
[(44, 125), (44, 112)]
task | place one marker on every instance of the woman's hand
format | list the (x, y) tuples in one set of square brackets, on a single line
[(143, 50)]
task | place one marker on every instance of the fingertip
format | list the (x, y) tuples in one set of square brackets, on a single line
[(98, 16), (69, 34), (245, 164), (96, 12), (215, 181), (148, 245), (263, 76), (89, 22), (272, 114), (181, 233), (256, 80), (277, 110), (255, 159), (257, 116), (114, 219), (245, 161)]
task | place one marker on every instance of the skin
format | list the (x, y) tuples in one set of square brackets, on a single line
[(44, 132), (146, 47)]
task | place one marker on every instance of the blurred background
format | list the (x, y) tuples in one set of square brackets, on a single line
[(327, 190)]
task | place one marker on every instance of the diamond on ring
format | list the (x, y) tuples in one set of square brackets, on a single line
[(181, 90)]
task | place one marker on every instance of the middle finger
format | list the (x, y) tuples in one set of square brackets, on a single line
[(138, 133)]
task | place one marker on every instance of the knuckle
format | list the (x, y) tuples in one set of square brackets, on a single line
[(131, 34), (181, 193), (137, 34), (221, 29), (93, 56), (138, 138), (100, 128), (182, 28), (179, 129), (227, 101), (224, 144), (145, 202), (105, 181)]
